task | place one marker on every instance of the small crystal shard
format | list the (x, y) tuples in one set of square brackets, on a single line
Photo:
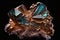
[(39, 9)]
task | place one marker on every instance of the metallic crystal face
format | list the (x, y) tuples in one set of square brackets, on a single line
[(44, 15), (17, 12), (29, 23), (39, 9), (23, 21)]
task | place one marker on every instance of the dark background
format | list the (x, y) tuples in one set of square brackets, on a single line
[(5, 6)]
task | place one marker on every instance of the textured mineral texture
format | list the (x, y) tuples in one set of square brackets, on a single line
[(29, 23)]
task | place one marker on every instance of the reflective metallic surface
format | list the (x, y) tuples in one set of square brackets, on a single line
[(29, 23)]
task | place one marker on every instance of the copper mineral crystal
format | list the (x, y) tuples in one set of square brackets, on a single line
[(29, 23)]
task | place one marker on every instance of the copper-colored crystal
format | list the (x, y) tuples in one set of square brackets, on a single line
[(31, 22)]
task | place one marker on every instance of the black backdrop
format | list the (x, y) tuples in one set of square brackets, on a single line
[(5, 6)]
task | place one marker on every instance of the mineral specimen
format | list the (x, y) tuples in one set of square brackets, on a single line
[(27, 23)]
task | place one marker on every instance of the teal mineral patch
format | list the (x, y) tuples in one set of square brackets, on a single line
[(39, 9)]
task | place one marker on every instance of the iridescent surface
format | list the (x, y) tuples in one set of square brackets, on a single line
[(17, 12), (23, 21), (39, 9), (29, 23)]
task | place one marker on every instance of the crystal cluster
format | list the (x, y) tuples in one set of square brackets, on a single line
[(29, 23)]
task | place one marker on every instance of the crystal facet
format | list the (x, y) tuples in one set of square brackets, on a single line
[(33, 22), (39, 9), (17, 12)]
